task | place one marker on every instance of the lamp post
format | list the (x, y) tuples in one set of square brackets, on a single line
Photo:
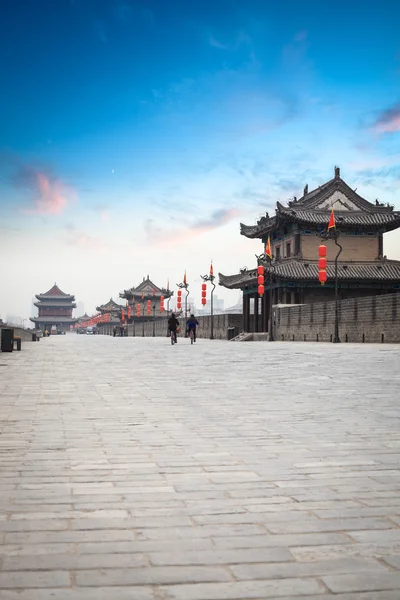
[(334, 235), (169, 297), (211, 279), (265, 260), (154, 315), (184, 286), (143, 315)]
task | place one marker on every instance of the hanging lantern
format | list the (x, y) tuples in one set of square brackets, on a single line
[(179, 300), (203, 294), (122, 316), (138, 310), (161, 303), (129, 312), (322, 276), (260, 280), (148, 307)]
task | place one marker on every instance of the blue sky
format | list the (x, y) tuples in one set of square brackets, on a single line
[(135, 135)]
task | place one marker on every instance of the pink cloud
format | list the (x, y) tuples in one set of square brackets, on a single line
[(53, 196), (174, 236), (389, 121), (47, 194)]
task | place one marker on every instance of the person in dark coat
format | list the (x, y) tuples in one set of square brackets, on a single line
[(173, 325)]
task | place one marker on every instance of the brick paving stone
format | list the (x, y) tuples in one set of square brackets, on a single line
[(244, 590), (150, 576), (118, 483)]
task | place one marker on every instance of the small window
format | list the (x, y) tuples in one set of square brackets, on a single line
[(288, 250), (278, 252)]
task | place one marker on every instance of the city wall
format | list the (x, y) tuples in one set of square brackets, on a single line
[(222, 323), (374, 319)]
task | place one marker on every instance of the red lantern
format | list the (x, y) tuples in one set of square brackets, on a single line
[(138, 310), (122, 316), (322, 263), (148, 307), (162, 304), (203, 287), (322, 277), (179, 293), (322, 250), (129, 312), (203, 301), (260, 280)]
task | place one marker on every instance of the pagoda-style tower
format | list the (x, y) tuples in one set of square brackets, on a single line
[(144, 292), (294, 231), (55, 311)]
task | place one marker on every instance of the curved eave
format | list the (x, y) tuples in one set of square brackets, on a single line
[(373, 272), (378, 221), (55, 320), (257, 231), (67, 298)]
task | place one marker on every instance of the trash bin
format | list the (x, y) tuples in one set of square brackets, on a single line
[(231, 333), (7, 337), (33, 337)]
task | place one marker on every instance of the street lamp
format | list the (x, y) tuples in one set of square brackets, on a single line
[(184, 286), (334, 235), (154, 314), (265, 260), (211, 279)]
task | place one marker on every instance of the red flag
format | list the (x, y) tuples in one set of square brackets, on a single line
[(211, 269), (268, 251), (332, 223), (184, 278), (168, 284)]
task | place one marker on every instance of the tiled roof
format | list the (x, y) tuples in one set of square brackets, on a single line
[(53, 320), (55, 292), (110, 305), (354, 211), (302, 270), (61, 303), (343, 219)]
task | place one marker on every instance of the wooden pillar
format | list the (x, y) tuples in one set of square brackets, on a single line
[(256, 315), (246, 313), (262, 328), (266, 311), (244, 310)]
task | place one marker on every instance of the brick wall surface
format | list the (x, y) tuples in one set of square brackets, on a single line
[(354, 247), (368, 319)]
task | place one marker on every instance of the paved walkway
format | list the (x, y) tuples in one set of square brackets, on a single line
[(131, 469)]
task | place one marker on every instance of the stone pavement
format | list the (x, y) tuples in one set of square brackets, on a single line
[(131, 469)]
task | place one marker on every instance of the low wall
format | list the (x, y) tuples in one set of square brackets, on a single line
[(221, 325), (374, 319), (24, 334)]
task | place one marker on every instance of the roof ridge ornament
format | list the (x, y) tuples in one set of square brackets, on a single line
[(337, 172)]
